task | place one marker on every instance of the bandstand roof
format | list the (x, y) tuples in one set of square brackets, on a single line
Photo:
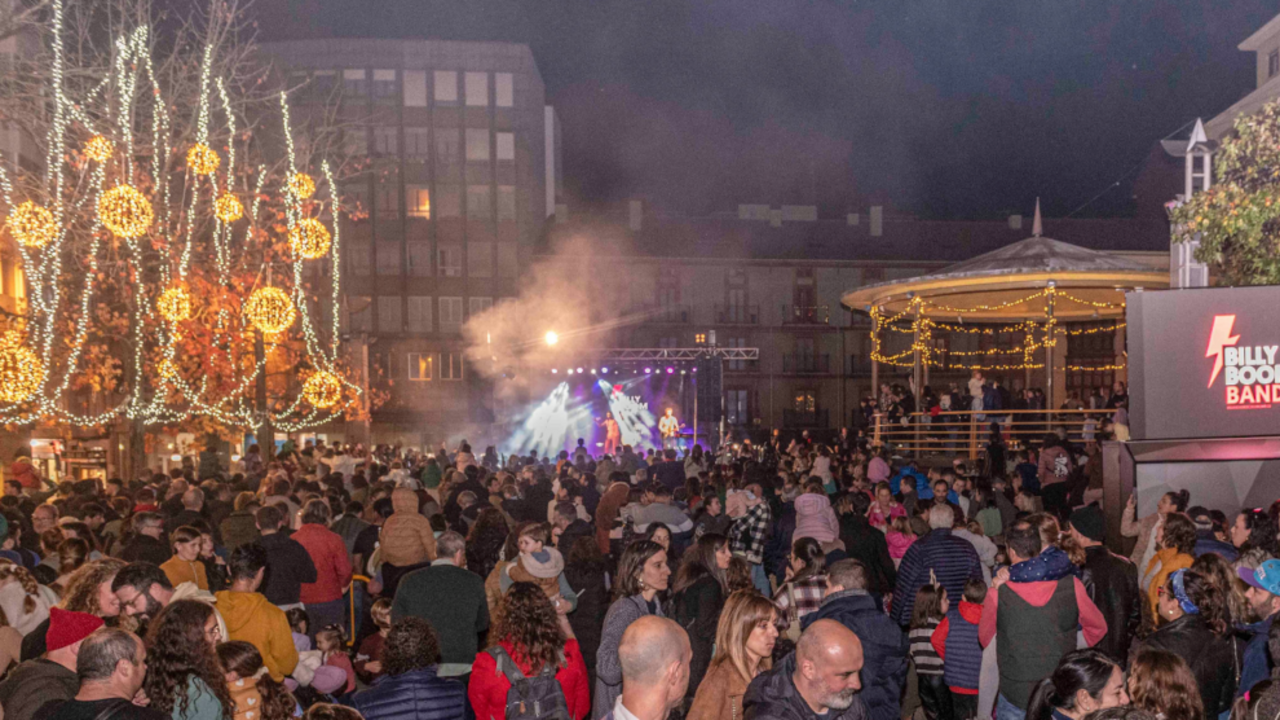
[(1010, 283)]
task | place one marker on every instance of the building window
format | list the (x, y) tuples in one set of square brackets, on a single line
[(417, 141), (388, 258), (477, 89), (450, 263), (448, 201), (360, 310), (420, 314), (506, 203), (1273, 63), (478, 305), (323, 84), (384, 140), (387, 198), (384, 84), (479, 203), (480, 259), (737, 343), (506, 143), (446, 82), (415, 88), (356, 200), (353, 82), (669, 342), (359, 255), (806, 401), (508, 260), (735, 407), (450, 314), (417, 201), (355, 141), (446, 147), (389, 314), (504, 89), (450, 366), (419, 258), (422, 366), (477, 145)]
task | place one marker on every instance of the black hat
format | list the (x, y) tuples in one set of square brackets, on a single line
[(1090, 523)]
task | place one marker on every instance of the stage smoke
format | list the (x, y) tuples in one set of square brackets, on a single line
[(548, 427)]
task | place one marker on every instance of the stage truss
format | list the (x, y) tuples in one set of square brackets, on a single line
[(617, 355)]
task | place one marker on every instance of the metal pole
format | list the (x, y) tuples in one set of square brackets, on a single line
[(1050, 334)]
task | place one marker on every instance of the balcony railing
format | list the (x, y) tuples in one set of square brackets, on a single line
[(738, 314), (806, 315), (804, 418), (806, 364)]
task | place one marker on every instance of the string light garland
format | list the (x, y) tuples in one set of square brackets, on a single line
[(270, 310), (202, 159), (99, 149), (174, 304), (126, 212), (21, 371), (32, 225), (166, 369), (309, 239), (228, 208), (322, 389), (301, 185)]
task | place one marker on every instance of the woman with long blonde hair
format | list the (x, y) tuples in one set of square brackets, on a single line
[(744, 647)]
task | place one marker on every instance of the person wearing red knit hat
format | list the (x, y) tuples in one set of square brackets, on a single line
[(51, 677)]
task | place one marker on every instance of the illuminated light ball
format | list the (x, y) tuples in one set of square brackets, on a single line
[(270, 310), (99, 149), (322, 389), (174, 304), (309, 239), (202, 159), (302, 185), (32, 225), (21, 370), (228, 208), (126, 212), (166, 369)]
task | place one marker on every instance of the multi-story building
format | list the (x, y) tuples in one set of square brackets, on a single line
[(772, 279), (462, 171)]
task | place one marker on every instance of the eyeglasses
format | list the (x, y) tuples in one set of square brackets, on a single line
[(213, 633)]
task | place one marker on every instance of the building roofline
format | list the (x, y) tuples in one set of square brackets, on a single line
[(1253, 43)]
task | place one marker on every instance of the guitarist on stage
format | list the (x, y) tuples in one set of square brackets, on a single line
[(669, 428)]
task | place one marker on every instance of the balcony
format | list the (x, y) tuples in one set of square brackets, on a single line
[(806, 315), (804, 418), (806, 364), (669, 314), (737, 314)]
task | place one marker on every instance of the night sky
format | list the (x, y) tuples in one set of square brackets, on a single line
[(939, 108)]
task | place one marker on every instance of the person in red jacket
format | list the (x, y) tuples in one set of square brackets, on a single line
[(533, 635), (323, 598), (957, 644)]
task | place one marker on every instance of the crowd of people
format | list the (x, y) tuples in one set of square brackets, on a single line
[(792, 581)]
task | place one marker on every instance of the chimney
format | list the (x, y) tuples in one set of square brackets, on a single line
[(635, 216), (1015, 222), (877, 220)]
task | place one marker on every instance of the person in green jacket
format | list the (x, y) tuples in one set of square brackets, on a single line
[(184, 679)]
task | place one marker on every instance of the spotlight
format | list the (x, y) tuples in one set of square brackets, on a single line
[(552, 338), (682, 372), (554, 371), (593, 371), (604, 371), (671, 371), (579, 371), (648, 370), (568, 371)]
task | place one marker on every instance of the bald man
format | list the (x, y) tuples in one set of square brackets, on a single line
[(654, 654), (819, 681)]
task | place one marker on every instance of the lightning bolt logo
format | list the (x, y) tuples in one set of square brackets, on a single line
[(1219, 338)]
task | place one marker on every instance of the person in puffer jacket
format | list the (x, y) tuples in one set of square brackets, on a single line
[(411, 689), (406, 538), (816, 519)]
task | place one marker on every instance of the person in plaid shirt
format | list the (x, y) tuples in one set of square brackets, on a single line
[(748, 535), (806, 582)]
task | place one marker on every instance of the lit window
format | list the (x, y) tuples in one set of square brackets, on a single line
[(417, 200), (446, 82), (477, 89), (421, 367), (504, 89)]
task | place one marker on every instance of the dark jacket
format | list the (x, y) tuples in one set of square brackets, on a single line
[(1257, 663), (577, 529), (415, 695), (587, 579), (1112, 582), (773, 696), (868, 546), (32, 684), (884, 649), (697, 609), (239, 528), (144, 548), (451, 599), (670, 473), (1207, 543), (953, 560), (289, 565), (777, 549), (1212, 659)]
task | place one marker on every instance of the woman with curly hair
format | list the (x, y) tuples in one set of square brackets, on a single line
[(1162, 683), (255, 695), (184, 678), (87, 590), (410, 689), (531, 636), (1176, 539), (485, 541)]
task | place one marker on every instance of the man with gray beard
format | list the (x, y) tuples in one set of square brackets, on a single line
[(819, 681)]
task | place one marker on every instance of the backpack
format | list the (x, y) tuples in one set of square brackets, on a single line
[(531, 698)]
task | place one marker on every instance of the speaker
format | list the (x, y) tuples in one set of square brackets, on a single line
[(710, 390)]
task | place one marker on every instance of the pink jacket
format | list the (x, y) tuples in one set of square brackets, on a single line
[(815, 519), (898, 543)]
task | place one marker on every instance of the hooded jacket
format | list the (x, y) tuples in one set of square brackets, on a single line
[(252, 618), (406, 537), (884, 649), (815, 519), (773, 696), (34, 683)]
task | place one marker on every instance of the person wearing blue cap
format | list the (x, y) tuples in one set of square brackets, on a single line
[(1263, 595)]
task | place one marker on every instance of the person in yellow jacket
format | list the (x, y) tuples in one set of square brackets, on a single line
[(185, 565), (252, 618)]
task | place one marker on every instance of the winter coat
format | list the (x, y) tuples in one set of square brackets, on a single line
[(179, 571), (1165, 562), (587, 579), (773, 696), (815, 519), (884, 649), (719, 695), (951, 559), (252, 618), (870, 547), (239, 528), (289, 565), (607, 511), (489, 687), (144, 548), (621, 614), (1112, 582), (333, 565), (406, 537), (415, 695), (34, 683), (1211, 657), (246, 698), (697, 609)]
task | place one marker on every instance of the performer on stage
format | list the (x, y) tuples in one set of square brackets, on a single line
[(612, 435), (669, 427)]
